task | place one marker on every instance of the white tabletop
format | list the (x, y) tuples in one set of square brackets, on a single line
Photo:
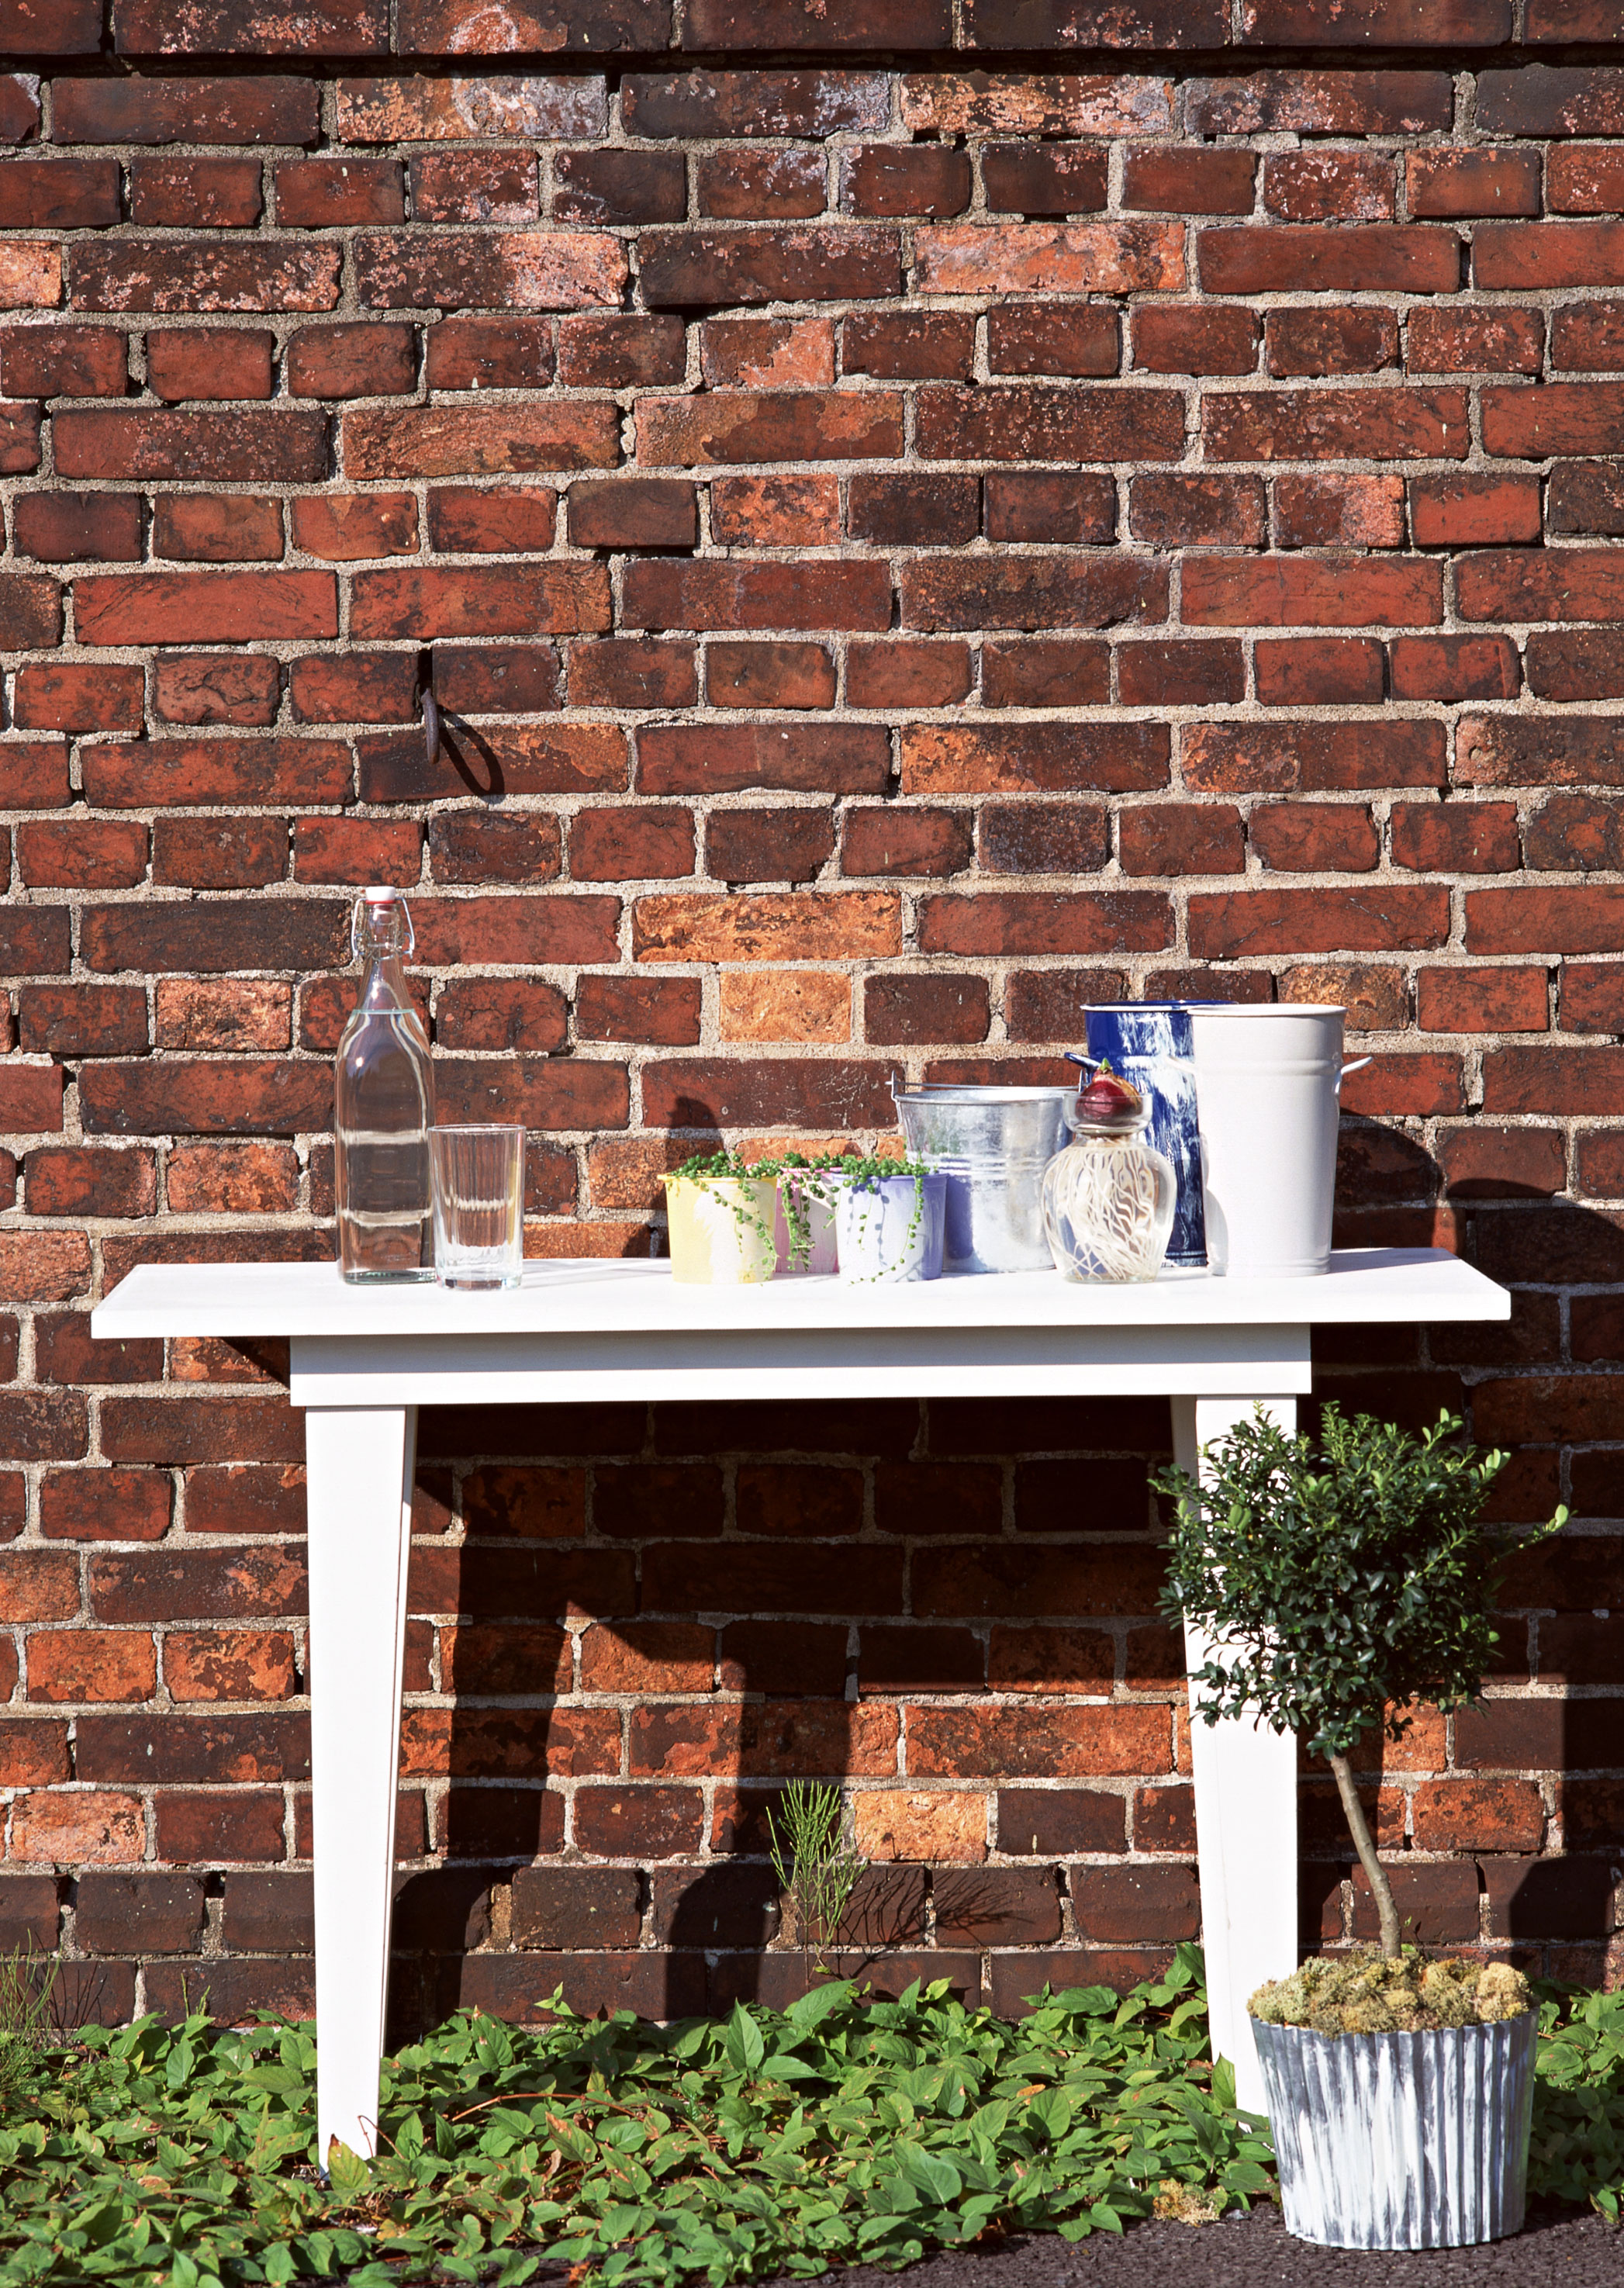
[(1364, 1286)]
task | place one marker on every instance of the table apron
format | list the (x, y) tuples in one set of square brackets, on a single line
[(800, 1363)]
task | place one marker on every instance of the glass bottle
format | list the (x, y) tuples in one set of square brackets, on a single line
[(1109, 1196), (384, 1107)]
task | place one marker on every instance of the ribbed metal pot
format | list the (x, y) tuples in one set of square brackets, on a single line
[(992, 1145), (1401, 2141)]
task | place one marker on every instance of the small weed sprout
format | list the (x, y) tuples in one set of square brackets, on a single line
[(27, 1979), (815, 1869)]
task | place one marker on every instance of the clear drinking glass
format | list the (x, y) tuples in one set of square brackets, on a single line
[(479, 1205)]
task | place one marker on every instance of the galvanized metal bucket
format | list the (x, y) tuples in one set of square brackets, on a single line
[(992, 1145), (1401, 2141)]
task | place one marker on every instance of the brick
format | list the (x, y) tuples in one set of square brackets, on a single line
[(1171, 339), (1188, 672), (812, 104), (513, 270), (528, 106), (1461, 511), (898, 346), (20, 448), (363, 687), (92, 1828), (1547, 254), (775, 512), (478, 601), (643, 1821), (1059, 104), (32, 612), (62, 360), (769, 675), (206, 362), (1350, 669), (156, 273), (217, 527), (346, 528), (804, 426), (1231, 925), (1060, 673), (1028, 922), (1170, 181), (1588, 664), (143, 110), (897, 841), (767, 352), (1107, 258), (91, 1665), (784, 1005), (1010, 758), (619, 187), (791, 24), (742, 186), (1561, 418), (1475, 341), (1075, 338), (1315, 511), (327, 193), (1492, 1000), (1356, 258), (247, 1178), (907, 1009), (205, 607), (1312, 838), (815, 263), (624, 672), (1361, 102), (1321, 592), (283, 448), (896, 180), (74, 527), (620, 353), (517, 520), (1335, 425), (533, 758), (455, 440), (367, 360), (899, 674), (475, 186), (1042, 839), (73, 1181), (343, 851), (1182, 838), (1198, 511), (193, 194), (810, 594), (182, 771), (613, 845), (20, 112), (81, 1020), (58, 697), (1569, 584), (914, 511), (111, 854), (1455, 838), (1475, 182), (1029, 592), (1350, 340), (1323, 186), (1028, 423)]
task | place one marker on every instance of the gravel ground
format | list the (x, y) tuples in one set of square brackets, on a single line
[(1558, 2244), (1559, 2247)]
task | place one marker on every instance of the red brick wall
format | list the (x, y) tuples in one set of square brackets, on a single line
[(910, 541)]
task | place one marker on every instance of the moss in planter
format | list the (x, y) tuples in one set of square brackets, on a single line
[(1365, 1992)]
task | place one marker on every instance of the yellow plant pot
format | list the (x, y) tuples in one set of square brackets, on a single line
[(721, 1230)]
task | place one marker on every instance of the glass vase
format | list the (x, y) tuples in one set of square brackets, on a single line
[(1108, 1203)]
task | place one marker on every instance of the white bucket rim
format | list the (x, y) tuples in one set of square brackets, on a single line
[(1222, 1009)]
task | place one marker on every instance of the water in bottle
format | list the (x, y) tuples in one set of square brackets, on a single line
[(386, 1107)]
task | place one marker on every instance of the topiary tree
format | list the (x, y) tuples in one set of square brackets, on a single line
[(1341, 1582)]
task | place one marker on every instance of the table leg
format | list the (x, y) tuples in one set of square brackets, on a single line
[(359, 1497), (1246, 1812)]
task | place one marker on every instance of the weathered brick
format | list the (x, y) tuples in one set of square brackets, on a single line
[(511, 270)]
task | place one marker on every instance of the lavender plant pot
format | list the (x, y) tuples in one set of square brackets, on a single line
[(1401, 2141), (891, 1231)]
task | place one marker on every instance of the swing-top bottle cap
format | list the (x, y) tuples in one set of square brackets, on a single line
[(379, 894)]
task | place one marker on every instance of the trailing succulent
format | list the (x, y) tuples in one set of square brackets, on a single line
[(1368, 1992)]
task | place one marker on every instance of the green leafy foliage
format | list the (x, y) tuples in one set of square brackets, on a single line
[(1345, 1580), (709, 2150), (1576, 2152)]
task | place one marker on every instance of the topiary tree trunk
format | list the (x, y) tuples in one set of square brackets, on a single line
[(1381, 1890)]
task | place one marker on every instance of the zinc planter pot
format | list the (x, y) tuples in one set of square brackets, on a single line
[(721, 1230), (1401, 2141), (892, 1229)]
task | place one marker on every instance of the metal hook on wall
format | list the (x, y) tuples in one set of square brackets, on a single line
[(430, 725)]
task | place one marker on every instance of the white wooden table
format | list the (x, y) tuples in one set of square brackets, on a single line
[(364, 1360)]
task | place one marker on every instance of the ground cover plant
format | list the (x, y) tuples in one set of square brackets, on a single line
[(708, 2151)]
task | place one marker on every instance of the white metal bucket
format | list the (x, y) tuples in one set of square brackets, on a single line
[(1401, 2141), (1266, 1082)]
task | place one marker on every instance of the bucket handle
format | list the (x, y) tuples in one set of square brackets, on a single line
[(1357, 1065)]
